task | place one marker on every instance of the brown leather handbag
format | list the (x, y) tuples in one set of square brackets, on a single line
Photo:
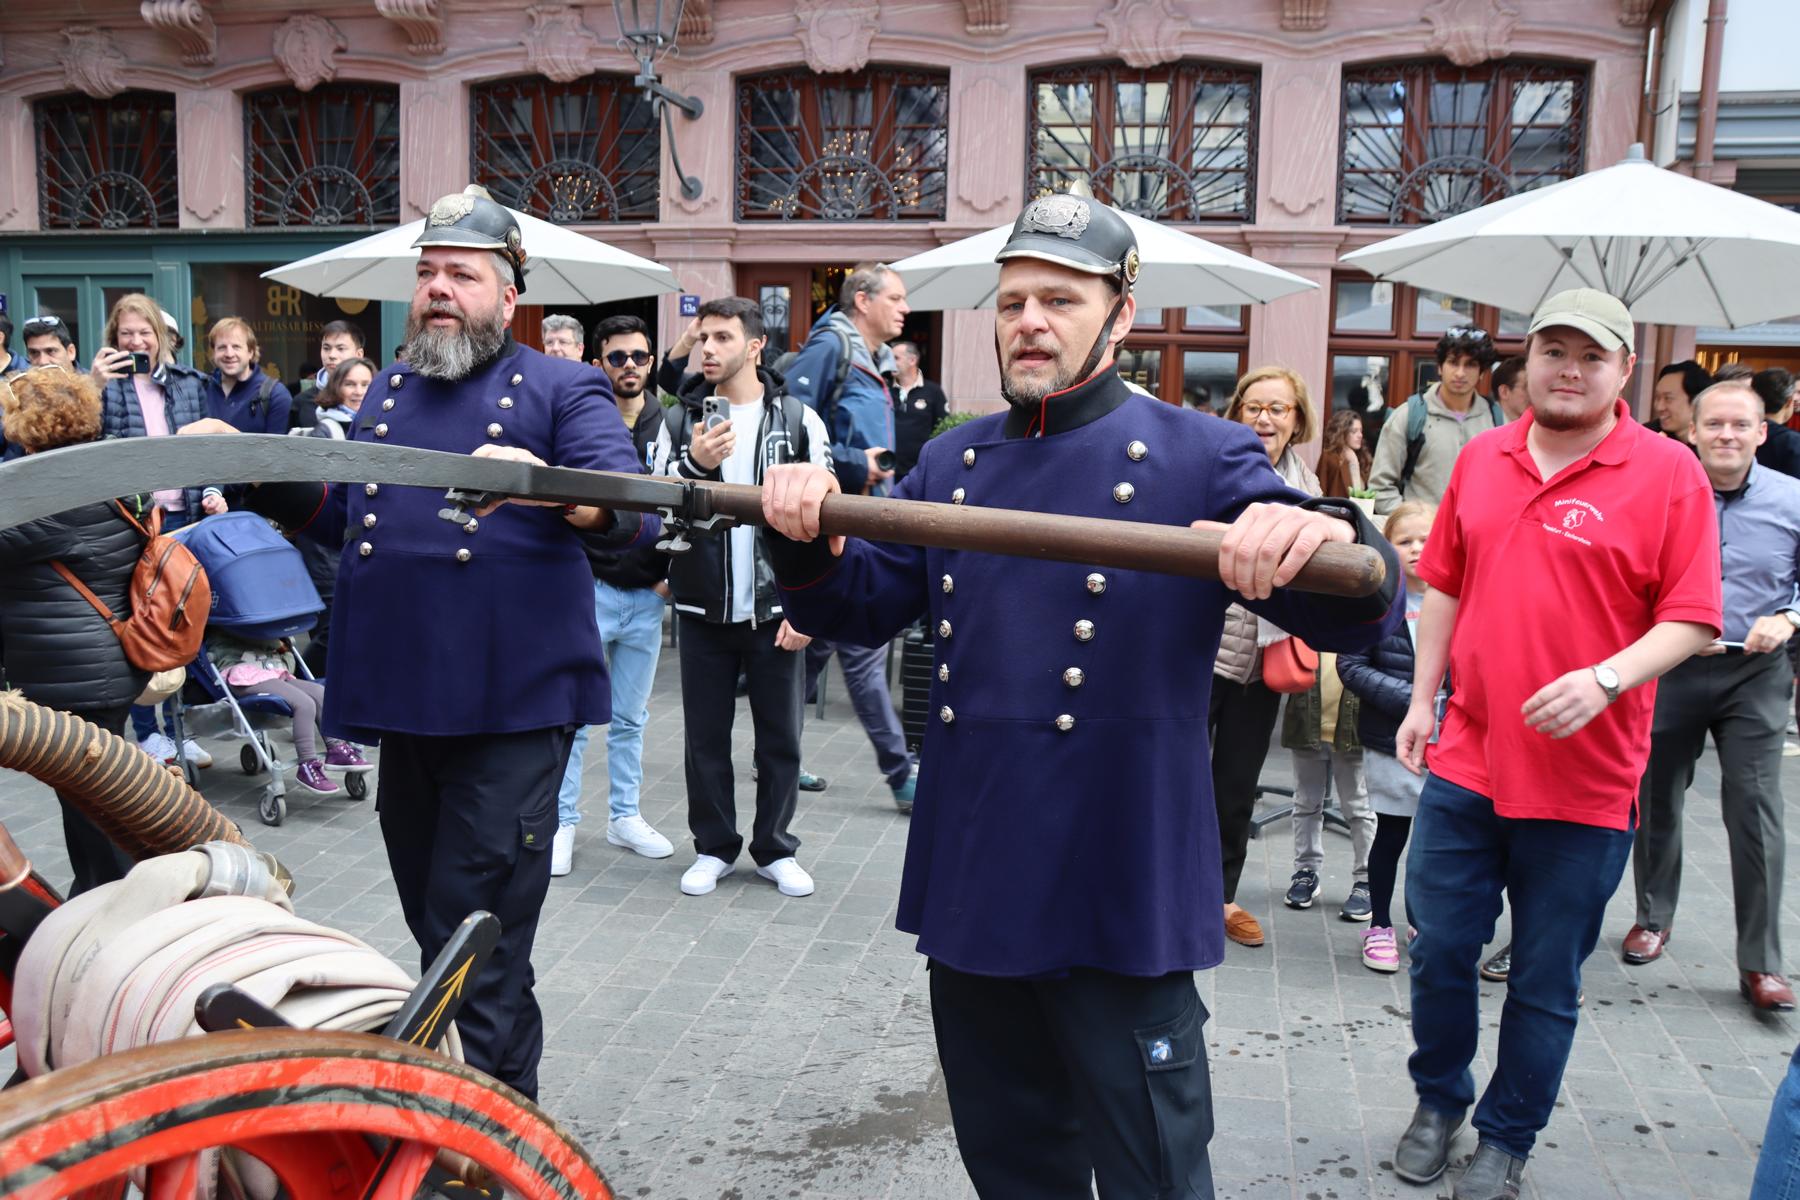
[(170, 600)]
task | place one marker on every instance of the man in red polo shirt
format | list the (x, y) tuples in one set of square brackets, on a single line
[(1575, 558)]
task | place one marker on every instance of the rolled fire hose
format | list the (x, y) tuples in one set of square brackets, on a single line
[(144, 808)]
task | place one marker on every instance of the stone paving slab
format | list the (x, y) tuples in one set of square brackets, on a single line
[(746, 1045)]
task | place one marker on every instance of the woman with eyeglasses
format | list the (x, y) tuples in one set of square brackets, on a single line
[(1274, 403), (57, 647), (146, 393)]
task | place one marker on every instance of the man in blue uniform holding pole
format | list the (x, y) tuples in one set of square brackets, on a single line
[(1062, 868), (470, 651)]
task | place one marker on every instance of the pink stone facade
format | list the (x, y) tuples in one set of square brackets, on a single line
[(207, 52)]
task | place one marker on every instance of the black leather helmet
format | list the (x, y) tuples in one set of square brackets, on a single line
[(1076, 231), (471, 217)]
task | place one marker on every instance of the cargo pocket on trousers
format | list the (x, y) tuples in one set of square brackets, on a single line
[(1180, 1090), (537, 829)]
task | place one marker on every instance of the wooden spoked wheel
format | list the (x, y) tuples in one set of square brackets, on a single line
[(313, 1107)]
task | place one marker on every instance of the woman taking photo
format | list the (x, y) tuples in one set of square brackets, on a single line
[(59, 650), (1344, 459), (1272, 401), (145, 393)]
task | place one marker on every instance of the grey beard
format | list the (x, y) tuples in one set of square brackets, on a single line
[(451, 354), (1031, 395)]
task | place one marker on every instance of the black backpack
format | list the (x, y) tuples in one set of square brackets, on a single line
[(828, 393), (793, 416)]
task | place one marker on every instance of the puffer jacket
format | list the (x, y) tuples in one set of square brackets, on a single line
[(59, 650), (184, 397), (1381, 679), (1240, 657)]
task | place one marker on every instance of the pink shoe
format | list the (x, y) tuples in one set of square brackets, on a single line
[(311, 776), (342, 756), (1379, 953)]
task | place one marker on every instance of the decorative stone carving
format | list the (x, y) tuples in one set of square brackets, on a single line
[(17, 168), (211, 166), (984, 181), (1470, 32), (1635, 14), (696, 28), (1301, 115), (92, 63), (835, 34), (419, 20), (559, 45), (1304, 16), (984, 16), (304, 48), (188, 22), (1145, 33), (427, 119)]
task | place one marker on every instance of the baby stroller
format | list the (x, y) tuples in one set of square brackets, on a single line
[(260, 591)]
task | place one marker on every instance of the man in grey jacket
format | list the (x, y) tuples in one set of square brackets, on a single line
[(1420, 441)]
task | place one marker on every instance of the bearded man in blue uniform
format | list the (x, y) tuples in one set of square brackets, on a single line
[(1062, 869), (470, 652)]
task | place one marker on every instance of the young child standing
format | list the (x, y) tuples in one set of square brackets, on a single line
[(1382, 679), (267, 668)]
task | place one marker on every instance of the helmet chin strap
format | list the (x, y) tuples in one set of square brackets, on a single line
[(1087, 368)]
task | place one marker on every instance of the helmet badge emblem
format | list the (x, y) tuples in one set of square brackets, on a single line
[(1062, 215), (451, 209)]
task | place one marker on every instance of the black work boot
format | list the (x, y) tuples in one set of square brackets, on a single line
[(1424, 1148), (1493, 1174)]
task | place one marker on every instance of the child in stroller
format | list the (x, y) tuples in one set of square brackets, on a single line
[(266, 667)]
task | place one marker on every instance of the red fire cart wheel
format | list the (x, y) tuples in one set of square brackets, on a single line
[(299, 1101)]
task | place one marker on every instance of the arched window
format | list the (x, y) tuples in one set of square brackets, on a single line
[(1424, 141), (870, 145), (1174, 143), (107, 164), (330, 156), (587, 151)]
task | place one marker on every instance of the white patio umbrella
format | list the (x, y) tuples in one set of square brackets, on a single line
[(1178, 270), (562, 267), (1677, 251)]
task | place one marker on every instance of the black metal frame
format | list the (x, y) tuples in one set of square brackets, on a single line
[(1473, 162), (1189, 190), (108, 179), (311, 173), (830, 168), (602, 166)]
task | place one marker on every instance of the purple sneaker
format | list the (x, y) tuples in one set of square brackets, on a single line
[(311, 776), (342, 756)]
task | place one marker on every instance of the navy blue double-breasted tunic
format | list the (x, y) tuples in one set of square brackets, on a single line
[(441, 629), (1064, 816)]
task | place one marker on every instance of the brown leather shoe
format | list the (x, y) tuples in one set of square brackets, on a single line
[(1768, 992), (1644, 945), (1242, 928)]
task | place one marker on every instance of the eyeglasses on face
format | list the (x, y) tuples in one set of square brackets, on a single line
[(637, 358), (1276, 411)]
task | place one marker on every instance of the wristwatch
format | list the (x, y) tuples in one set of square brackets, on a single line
[(1608, 679), (1792, 617)]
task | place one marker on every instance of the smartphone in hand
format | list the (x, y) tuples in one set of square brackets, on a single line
[(139, 364), (714, 411)]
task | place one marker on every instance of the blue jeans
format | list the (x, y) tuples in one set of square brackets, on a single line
[(143, 716), (631, 622), (1558, 877), (865, 678), (1778, 1167)]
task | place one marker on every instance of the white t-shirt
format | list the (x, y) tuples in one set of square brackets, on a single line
[(741, 468)]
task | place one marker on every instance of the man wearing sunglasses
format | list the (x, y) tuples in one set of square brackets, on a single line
[(627, 605), (1420, 442)]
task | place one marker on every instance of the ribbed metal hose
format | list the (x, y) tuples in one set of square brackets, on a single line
[(145, 808)]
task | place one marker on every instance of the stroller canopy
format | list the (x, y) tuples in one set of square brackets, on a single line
[(259, 583)]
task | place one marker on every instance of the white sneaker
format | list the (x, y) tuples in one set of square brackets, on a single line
[(562, 850), (638, 835), (159, 746), (194, 752), (704, 875), (789, 876)]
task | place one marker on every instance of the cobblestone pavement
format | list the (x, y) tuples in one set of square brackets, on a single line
[(743, 1045)]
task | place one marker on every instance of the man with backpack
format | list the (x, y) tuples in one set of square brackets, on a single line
[(238, 392), (734, 421), (1419, 444), (843, 374)]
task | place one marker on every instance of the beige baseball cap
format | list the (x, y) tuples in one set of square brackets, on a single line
[(1595, 313)]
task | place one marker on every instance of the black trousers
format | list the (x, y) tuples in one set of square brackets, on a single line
[(468, 823), (1743, 700), (1056, 1085), (91, 853), (1241, 720), (712, 657)]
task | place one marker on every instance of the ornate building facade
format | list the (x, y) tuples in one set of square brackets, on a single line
[(183, 146)]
